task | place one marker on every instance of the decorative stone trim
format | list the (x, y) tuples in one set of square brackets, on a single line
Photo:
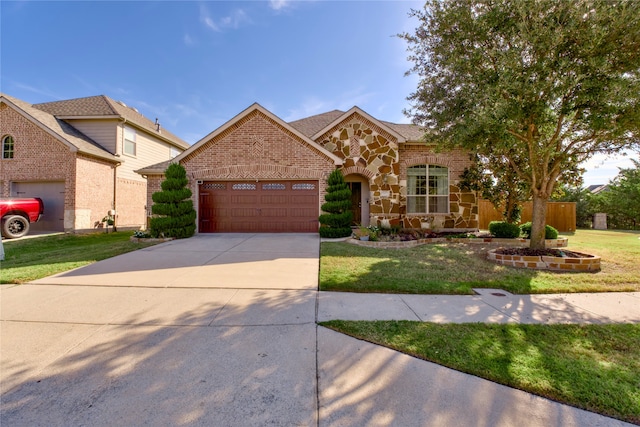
[(149, 239), (552, 243), (588, 263)]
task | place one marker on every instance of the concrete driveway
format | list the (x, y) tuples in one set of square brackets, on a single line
[(214, 330), (220, 330)]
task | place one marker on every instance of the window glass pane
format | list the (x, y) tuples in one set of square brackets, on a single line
[(417, 180), (416, 204), (438, 204), (7, 147), (438, 180), (129, 146)]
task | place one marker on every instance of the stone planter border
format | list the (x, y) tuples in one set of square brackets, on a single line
[(149, 239), (588, 263), (550, 243)]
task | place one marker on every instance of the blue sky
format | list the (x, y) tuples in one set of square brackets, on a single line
[(196, 64)]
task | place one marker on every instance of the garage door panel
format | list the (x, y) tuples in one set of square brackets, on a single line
[(271, 206), (52, 195)]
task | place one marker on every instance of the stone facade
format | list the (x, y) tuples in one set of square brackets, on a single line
[(371, 151)]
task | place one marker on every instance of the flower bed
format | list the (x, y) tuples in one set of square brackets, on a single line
[(564, 261), (550, 243), (149, 239)]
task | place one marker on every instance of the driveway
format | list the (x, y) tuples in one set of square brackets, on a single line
[(219, 330), (212, 330)]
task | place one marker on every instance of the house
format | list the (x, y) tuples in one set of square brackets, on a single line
[(79, 156), (258, 173)]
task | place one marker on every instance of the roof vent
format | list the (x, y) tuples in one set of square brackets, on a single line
[(121, 103), (158, 126)]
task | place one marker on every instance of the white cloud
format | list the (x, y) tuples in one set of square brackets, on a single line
[(600, 169), (234, 20), (279, 4)]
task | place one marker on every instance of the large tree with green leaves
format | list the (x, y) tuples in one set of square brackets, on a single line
[(540, 84)]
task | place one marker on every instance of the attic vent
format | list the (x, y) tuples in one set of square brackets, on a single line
[(135, 109), (121, 103)]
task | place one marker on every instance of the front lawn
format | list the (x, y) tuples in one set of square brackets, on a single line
[(457, 268), (594, 367), (35, 258)]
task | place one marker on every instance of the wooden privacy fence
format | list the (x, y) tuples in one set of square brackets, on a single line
[(560, 215)]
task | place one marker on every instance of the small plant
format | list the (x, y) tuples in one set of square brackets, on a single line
[(549, 231), (141, 234), (504, 230), (109, 220)]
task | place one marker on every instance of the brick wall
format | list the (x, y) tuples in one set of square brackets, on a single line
[(38, 157), (94, 192), (130, 204)]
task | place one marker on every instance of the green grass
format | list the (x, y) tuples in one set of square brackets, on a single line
[(457, 268), (594, 367), (35, 258)]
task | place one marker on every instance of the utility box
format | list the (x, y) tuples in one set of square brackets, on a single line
[(600, 221)]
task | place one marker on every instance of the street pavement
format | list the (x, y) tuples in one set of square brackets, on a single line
[(220, 330)]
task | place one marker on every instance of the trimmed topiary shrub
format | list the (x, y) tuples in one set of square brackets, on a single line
[(549, 231), (173, 206), (504, 230), (336, 222)]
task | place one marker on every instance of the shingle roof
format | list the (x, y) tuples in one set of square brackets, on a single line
[(61, 129), (103, 106), (310, 125)]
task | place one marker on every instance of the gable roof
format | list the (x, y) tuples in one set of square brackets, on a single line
[(103, 107), (59, 129), (312, 125), (597, 188), (252, 108)]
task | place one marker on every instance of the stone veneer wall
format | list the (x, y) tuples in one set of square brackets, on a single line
[(370, 151)]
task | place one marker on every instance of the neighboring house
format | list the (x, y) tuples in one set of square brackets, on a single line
[(258, 173), (597, 188), (79, 155)]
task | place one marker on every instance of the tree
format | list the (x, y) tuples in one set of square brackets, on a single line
[(336, 222), (539, 85), (173, 206)]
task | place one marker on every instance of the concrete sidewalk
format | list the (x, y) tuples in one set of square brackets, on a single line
[(489, 306), (220, 330)]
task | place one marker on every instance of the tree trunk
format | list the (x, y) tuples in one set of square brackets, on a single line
[(538, 222)]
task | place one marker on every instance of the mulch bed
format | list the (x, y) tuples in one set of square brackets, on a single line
[(562, 253)]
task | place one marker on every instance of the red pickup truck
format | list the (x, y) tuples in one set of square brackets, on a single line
[(18, 214)]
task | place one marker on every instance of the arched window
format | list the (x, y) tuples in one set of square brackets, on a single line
[(427, 189), (7, 147)]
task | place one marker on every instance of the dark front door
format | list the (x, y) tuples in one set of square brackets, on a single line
[(356, 202)]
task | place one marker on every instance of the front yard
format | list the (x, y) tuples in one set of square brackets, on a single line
[(594, 367), (457, 268), (38, 257)]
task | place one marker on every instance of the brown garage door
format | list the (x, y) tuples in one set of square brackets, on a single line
[(262, 207)]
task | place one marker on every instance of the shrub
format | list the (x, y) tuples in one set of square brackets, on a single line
[(504, 230), (173, 207), (336, 222), (549, 231)]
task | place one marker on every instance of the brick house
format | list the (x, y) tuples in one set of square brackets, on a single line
[(258, 173), (79, 156)]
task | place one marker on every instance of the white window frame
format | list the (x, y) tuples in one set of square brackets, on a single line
[(129, 144), (423, 203)]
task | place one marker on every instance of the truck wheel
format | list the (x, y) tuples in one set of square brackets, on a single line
[(15, 226)]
